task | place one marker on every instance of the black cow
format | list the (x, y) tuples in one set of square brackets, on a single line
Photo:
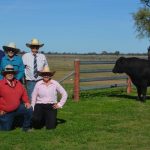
[(139, 72)]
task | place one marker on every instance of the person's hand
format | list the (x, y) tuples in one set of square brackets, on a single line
[(2, 112), (55, 106), (27, 105)]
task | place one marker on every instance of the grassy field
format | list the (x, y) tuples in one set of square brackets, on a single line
[(101, 120), (106, 119)]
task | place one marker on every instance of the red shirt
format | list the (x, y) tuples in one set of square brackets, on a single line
[(10, 97)]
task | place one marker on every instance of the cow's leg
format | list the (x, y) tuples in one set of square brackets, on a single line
[(144, 91), (139, 93)]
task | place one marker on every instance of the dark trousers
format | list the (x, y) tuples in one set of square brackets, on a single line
[(44, 115), (6, 121)]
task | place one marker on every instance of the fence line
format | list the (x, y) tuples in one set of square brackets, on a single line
[(96, 62), (67, 76), (101, 87), (95, 70), (103, 78), (77, 79)]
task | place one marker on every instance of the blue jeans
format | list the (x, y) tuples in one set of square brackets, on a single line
[(30, 86), (7, 119)]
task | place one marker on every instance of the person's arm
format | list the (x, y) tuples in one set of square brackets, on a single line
[(64, 96), (21, 68), (1, 68)]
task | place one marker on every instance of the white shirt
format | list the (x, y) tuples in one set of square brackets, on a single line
[(28, 60)]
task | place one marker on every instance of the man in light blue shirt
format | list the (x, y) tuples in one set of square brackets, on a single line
[(13, 59)]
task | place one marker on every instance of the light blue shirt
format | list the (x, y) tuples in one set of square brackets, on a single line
[(16, 62)]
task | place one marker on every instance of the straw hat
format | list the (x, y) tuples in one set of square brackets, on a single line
[(11, 47), (9, 69), (46, 72), (34, 42)]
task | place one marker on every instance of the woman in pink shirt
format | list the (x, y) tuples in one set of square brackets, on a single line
[(44, 100)]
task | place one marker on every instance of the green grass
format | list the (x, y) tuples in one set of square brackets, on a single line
[(101, 120)]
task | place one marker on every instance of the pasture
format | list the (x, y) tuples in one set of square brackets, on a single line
[(107, 119)]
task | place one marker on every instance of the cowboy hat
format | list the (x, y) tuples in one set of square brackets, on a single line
[(34, 42), (46, 72), (11, 47), (9, 69)]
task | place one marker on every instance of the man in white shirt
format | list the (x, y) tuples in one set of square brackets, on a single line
[(33, 62)]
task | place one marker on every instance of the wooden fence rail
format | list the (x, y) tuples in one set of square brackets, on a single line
[(77, 79)]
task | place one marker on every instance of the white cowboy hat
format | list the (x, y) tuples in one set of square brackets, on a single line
[(11, 47), (9, 69), (46, 72), (34, 42)]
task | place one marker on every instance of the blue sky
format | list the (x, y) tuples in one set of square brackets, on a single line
[(72, 25)]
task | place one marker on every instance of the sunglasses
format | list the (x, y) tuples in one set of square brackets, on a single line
[(34, 46), (10, 51), (46, 77)]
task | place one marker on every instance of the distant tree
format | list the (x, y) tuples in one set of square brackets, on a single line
[(142, 19), (116, 52), (104, 53)]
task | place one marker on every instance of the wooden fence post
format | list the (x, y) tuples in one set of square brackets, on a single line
[(129, 85), (77, 80)]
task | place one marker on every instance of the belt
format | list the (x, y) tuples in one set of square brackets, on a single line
[(33, 80)]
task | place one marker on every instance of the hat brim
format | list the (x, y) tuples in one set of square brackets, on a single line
[(30, 45), (50, 74), (9, 72), (6, 49)]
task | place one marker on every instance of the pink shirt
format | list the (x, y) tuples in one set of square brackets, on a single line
[(47, 94)]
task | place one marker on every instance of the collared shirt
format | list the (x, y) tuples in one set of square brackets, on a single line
[(28, 60), (16, 62), (10, 97), (2, 54), (47, 94)]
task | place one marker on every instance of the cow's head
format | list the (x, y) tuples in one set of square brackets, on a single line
[(119, 66)]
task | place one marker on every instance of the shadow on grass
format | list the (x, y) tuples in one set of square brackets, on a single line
[(120, 93), (125, 96), (100, 93), (18, 122), (60, 121)]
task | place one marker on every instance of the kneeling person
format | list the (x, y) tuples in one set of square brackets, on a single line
[(44, 100), (11, 94)]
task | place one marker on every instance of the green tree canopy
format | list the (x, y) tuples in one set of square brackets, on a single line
[(142, 19)]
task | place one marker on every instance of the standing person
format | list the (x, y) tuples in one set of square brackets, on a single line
[(12, 92), (34, 62), (12, 58), (44, 100), (2, 54)]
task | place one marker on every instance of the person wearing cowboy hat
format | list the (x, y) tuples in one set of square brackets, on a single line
[(12, 58), (2, 54), (10, 102), (44, 100), (34, 62)]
